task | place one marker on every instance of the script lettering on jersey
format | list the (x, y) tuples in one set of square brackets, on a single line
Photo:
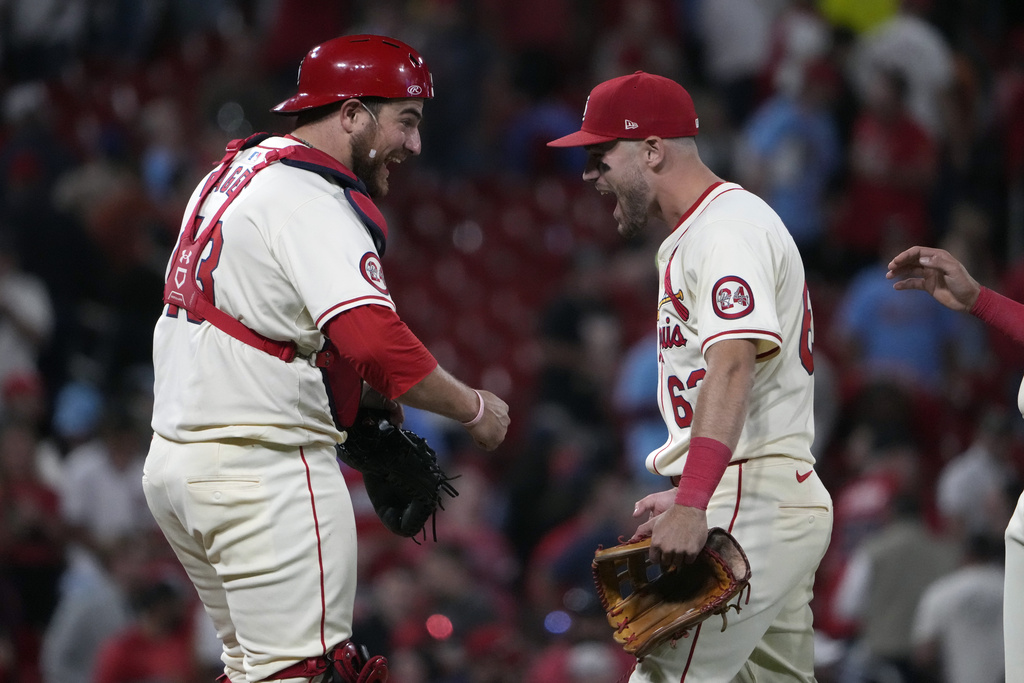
[(670, 336)]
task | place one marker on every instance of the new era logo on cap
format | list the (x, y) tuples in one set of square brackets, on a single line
[(633, 107)]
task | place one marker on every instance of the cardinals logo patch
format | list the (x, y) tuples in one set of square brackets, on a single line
[(732, 298), (373, 272)]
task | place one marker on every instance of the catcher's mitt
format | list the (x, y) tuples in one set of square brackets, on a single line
[(400, 472), (648, 607)]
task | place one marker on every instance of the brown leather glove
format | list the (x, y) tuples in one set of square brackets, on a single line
[(648, 607)]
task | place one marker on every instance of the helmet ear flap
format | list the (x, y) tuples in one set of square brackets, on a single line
[(358, 66)]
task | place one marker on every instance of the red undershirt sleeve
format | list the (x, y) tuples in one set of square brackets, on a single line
[(1002, 313), (382, 349)]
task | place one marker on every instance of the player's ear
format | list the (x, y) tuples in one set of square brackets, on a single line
[(350, 109), (654, 151)]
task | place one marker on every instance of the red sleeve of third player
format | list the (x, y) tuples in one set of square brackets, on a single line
[(1002, 313), (381, 348)]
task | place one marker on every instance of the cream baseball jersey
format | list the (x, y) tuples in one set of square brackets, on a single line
[(730, 270), (289, 253)]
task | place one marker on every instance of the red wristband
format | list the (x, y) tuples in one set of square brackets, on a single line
[(705, 465)]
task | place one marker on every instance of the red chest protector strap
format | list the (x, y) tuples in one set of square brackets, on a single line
[(182, 288)]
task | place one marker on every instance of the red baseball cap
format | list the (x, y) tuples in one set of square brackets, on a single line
[(634, 107)]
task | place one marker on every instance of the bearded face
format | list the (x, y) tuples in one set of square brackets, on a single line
[(633, 204), (372, 171)]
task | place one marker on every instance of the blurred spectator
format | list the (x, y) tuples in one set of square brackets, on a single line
[(92, 608), (156, 647), (882, 588), (102, 497), (32, 536), (717, 139), (539, 115), (589, 661), (455, 591), (970, 163), (31, 550), (789, 151), (558, 574), (26, 315), (893, 165), (736, 41), (392, 614), (40, 36), (470, 522), (496, 653), (549, 25), (580, 336), (552, 478), (800, 37), (908, 45), (462, 63), (881, 465), (636, 407), (12, 656), (971, 489), (640, 39), (902, 337), (957, 631), (77, 413)]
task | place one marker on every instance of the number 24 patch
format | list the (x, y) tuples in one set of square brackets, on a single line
[(732, 298)]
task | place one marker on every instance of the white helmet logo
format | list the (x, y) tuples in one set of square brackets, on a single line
[(414, 90), (630, 125)]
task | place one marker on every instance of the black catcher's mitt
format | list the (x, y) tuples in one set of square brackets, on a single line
[(400, 472)]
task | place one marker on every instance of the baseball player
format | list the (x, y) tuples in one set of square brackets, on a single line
[(278, 323), (938, 273), (735, 381)]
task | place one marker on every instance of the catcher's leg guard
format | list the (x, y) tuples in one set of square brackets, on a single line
[(352, 664), (345, 663)]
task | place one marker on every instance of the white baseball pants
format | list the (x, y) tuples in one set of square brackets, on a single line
[(782, 517), (268, 537)]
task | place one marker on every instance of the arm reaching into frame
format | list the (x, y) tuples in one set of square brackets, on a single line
[(937, 272)]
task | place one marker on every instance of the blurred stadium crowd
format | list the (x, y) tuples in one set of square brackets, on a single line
[(869, 125)]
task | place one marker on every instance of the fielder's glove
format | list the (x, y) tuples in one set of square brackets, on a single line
[(647, 611), (400, 472)]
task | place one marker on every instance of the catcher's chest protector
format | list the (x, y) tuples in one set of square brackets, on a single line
[(182, 288)]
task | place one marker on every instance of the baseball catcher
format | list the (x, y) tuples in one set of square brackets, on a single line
[(647, 607), (400, 471)]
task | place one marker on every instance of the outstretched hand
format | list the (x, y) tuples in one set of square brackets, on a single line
[(935, 271)]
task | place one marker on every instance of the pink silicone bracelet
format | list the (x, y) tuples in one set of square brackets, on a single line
[(479, 413)]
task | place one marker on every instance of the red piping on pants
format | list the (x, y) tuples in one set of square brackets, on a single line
[(693, 646), (319, 551), (732, 523), (739, 494)]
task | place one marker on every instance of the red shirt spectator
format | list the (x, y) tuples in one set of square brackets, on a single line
[(893, 164), (158, 647)]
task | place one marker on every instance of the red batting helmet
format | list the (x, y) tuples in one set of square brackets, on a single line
[(358, 66)]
